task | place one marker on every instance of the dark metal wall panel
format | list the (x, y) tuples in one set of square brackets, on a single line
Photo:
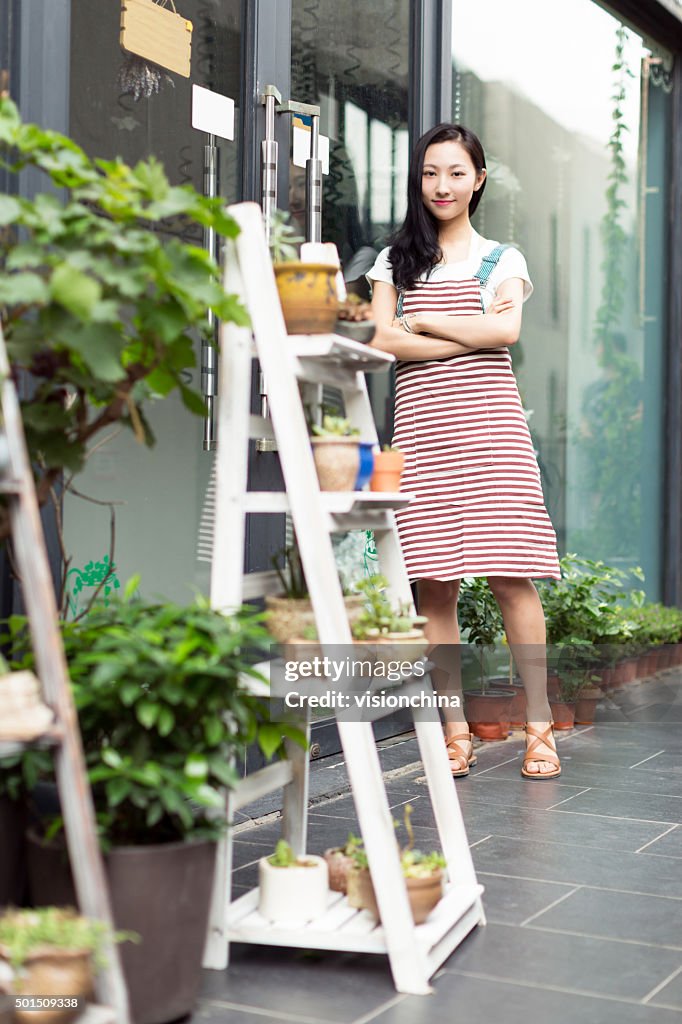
[(430, 65), (672, 567), (660, 21)]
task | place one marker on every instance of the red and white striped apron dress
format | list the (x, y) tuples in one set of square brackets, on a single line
[(478, 507)]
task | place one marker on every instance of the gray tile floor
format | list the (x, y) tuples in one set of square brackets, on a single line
[(583, 880)]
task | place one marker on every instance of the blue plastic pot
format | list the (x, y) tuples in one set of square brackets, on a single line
[(366, 464)]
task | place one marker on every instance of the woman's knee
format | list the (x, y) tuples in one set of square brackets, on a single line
[(437, 593), (509, 588)]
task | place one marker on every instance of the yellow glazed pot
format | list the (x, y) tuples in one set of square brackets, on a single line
[(307, 292)]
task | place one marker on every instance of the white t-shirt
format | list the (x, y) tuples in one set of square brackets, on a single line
[(511, 263)]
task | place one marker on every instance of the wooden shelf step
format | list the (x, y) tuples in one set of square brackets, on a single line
[(343, 928)]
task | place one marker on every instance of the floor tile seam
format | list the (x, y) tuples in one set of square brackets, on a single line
[(649, 758), (578, 843), (619, 817), (373, 1014), (585, 885), (586, 993), (652, 841), (479, 841), (663, 856), (259, 1011), (604, 938), (566, 799), (659, 988), (559, 899)]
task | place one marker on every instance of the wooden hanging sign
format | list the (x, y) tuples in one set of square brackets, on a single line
[(157, 34)]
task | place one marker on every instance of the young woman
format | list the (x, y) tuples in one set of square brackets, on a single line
[(447, 303)]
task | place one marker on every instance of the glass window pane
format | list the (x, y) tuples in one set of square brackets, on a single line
[(158, 493), (576, 140)]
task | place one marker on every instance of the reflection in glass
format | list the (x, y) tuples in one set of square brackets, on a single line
[(159, 492), (362, 90), (576, 136)]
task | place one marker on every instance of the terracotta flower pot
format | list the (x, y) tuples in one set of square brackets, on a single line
[(339, 865), (53, 972), (388, 468), (307, 292), (423, 893), (489, 713), (563, 714), (337, 460), (586, 705)]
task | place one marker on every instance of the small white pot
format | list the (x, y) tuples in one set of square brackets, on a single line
[(295, 894)]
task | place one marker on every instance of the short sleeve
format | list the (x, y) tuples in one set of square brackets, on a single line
[(381, 271), (512, 263)]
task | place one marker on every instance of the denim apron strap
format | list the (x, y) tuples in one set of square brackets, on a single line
[(489, 262)]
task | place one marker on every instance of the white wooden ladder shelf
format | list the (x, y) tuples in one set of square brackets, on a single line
[(415, 952), (63, 737)]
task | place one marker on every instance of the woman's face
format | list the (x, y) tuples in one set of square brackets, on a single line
[(449, 180)]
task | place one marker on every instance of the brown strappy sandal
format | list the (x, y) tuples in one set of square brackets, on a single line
[(457, 754), (540, 736)]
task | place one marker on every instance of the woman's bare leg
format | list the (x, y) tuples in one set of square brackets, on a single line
[(524, 624), (438, 601)]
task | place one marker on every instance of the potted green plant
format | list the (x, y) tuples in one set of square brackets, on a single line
[(307, 291), (53, 952), (336, 452), (487, 708), (292, 888), (100, 306), (163, 714), (340, 860), (290, 615), (388, 468), (393, 631), (424, 875)]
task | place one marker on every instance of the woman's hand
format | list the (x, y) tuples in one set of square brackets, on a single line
[(500, 305)]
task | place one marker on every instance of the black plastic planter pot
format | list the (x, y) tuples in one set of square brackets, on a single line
[(12, 852), (162, 892)]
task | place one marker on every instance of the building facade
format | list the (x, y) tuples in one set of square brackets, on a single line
[(579, 107)]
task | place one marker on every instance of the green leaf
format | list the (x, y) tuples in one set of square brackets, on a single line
[(192, 401), (147, 713), (196, 767), (101, 346), (269, 738), (75, 290), (22, 289), (166, 722), (10, 210), (117, 790)]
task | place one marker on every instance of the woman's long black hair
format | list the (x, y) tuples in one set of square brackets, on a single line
[(415, 248)]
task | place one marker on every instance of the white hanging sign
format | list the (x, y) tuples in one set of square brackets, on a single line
[(212, 113)]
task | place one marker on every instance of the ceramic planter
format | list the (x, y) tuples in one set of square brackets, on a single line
[(52, 972), (293, 894), (307, 292), (160, 891), (388, 468), (563, 713), (423, 893), (337, 460), (489, 713)]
